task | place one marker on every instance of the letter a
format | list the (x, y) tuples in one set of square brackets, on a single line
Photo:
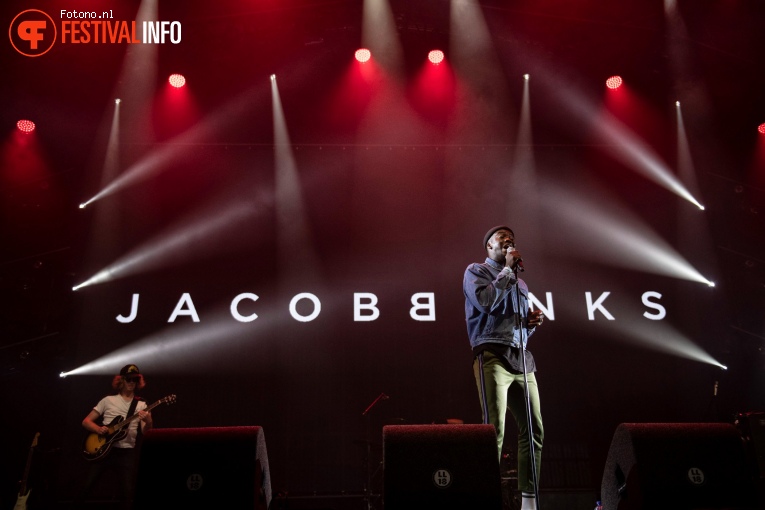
[(190, 311)]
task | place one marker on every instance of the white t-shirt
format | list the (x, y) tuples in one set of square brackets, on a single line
[(114, 405)]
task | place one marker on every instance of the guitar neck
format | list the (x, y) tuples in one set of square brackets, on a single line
[(126, 421)]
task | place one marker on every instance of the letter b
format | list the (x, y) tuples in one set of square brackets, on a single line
[(371, 305)]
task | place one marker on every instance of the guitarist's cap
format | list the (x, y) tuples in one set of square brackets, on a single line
[(129, 370)]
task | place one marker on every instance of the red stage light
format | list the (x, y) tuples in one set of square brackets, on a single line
[(761, 128), (177, 80), (436, 57), (25, 126), (614, 82), (363, 55)]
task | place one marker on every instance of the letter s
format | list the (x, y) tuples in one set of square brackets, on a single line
[(661, 311)]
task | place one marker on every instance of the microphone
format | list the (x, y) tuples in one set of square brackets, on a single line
[(518, 263)]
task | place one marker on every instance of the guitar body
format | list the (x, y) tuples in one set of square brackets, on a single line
[(96, 446), (21, 502)]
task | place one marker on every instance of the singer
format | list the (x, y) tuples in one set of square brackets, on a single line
[(491, 292)]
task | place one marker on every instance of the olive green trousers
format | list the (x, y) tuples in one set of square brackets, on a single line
[(500, 390)]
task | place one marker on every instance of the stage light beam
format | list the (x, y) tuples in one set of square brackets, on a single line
[(631, 150), (666, 340), (291, 217), (179, 241), (154, 162), (380, 37), (615, 236)]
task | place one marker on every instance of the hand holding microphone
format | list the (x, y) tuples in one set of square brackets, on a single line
[(513, 259)]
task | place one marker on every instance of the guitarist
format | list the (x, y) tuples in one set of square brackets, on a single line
[(123, 455)]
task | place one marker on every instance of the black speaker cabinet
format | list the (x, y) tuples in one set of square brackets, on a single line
[(678, 466), (441, 466), (752, 429), (203, 468)]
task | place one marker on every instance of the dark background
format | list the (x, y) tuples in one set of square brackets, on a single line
[(397, 187)]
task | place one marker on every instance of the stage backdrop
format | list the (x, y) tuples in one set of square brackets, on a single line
[(282, 241), (297, 323)]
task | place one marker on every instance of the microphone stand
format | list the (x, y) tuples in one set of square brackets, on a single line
[(369, 494), (519, 320)]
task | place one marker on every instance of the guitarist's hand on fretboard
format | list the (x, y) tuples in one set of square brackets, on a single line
[(145, 417)]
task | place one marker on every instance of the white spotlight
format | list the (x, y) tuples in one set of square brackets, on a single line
[(723, 367), (677, 103), (526, 77), (82, 206), (711, 284), (62, 375), (273, 77), (117, 101)]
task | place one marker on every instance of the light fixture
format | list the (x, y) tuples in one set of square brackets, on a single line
[(177, 80), (436, 57), (25, 126), (363, 55), (614, 82)]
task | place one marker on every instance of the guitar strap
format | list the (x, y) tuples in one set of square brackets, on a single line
[(131, 410), (130, 413)]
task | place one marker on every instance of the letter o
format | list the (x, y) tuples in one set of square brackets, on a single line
[(316, 307), (175, 37)]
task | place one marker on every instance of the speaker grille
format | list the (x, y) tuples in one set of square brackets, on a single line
[(203, 468), (676, 465), (441, 466)]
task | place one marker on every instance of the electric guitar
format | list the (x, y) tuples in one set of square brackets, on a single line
[(21, 501), (97, 446)]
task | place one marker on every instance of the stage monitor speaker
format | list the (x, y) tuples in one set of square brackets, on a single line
[(752, 429), (203, 468), (677, 465), (441, 466)]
